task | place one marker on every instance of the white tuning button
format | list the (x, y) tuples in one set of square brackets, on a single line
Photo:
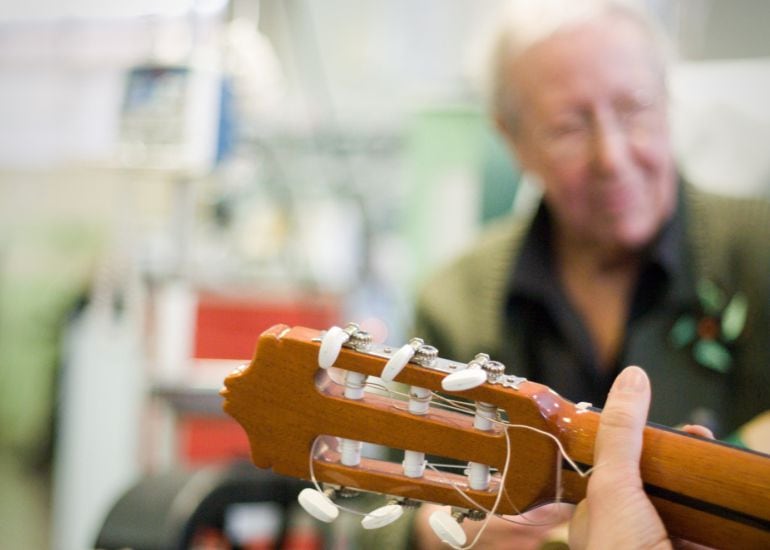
[(397, 363), (447, 529), (382, 516), (465, 379), (331, 344), (318, 505)]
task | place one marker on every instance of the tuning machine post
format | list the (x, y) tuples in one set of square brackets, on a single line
[(481, 369), (416, 351), (355, 382)]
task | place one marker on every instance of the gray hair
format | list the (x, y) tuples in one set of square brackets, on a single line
[(524, 23)]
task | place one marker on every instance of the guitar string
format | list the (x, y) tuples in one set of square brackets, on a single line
[(490, 513), (488, 518), (464, 408), (314, 480), (528, 522), (502, 490), (499, 496)]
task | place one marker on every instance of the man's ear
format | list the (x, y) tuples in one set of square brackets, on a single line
[(513, 141)]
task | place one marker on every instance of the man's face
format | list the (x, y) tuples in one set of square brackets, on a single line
[(592, 126)]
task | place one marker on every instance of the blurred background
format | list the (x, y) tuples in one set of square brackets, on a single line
[(178, 175)]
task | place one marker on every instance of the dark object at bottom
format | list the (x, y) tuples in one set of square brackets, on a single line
[(166, 511)]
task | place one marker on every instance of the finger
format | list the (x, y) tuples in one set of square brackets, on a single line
[(697, 429)]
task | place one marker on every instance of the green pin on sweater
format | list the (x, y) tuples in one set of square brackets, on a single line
[(713, 328)]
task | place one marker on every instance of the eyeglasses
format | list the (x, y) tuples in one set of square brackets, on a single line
[(574, 137)]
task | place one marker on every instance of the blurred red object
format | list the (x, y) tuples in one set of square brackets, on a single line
[(227, 328)]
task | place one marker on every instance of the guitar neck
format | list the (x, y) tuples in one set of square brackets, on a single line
[(705, 491)]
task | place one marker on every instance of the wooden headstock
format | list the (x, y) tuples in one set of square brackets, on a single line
[(284, 401)]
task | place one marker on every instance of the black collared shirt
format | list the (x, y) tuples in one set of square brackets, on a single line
[(553, 338)]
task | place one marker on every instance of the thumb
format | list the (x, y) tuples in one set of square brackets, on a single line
[(619, 512), (616, 456), (619, 439)]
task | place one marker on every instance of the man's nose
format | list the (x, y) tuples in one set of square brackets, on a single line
[(610, 145)]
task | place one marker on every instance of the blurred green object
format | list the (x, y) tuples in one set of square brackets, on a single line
[(734, 317), (44, 271), (711, 296), (500, 177), (714, 327), (684, 331), (713, 355), (459, 176)]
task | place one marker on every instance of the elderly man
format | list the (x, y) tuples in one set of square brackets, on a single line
[(622, 263)]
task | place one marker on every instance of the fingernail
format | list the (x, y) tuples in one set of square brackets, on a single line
[(632, 379)]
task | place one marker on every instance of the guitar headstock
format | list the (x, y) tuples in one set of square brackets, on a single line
[(286, 402)]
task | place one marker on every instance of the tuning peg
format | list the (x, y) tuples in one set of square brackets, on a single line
[(422, 353), (331, 344), (336, 337), (398, 360), (382, 516), (479, 370), (318, 505), (465, 379), (447, 529)]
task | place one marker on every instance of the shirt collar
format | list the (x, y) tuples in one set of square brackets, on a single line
[(535, 276)]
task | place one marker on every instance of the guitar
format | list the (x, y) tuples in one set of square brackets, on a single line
[(705, 491)]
